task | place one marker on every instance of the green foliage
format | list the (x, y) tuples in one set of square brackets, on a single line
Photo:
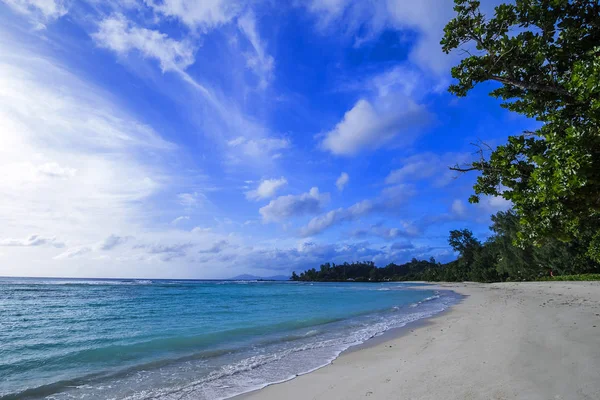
[(546, 56)]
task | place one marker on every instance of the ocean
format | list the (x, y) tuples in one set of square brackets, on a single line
[(167, 339)]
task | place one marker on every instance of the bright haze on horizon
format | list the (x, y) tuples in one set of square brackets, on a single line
[(208, 139)]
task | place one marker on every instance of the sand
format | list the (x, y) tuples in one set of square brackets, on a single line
[(533, 340)]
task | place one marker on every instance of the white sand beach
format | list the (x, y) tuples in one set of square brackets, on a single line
[(538, 340)]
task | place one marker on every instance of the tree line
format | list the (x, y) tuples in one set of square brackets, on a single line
[(499, 258)]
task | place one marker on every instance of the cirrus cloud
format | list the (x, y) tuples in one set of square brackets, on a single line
[(33, 240)]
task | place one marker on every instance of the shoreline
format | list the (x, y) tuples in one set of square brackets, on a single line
[(396, 333), (535, 340), (390, 334)]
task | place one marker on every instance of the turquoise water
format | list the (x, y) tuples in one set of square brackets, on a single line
[(129, 339)]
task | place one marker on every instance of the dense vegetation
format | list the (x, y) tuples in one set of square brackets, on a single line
[(544, 56), (366, 271), (496, 259)]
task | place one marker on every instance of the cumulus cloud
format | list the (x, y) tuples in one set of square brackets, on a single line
[(389, 199), (369, 125), (118, 34), (258, 60), (389, 113), (33, 240), (285, 207), (342, 181), (266, 189)]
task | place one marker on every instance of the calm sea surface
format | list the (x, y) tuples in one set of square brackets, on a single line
[(156, 339)]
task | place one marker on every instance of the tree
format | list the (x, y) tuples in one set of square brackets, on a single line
[(545, 54), (463, 242), (483, 268), (516, 262)]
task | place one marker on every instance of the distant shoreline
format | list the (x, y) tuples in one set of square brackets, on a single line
[(534, 340)]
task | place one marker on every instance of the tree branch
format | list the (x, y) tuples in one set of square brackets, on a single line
[(459, 169), (530, 86)]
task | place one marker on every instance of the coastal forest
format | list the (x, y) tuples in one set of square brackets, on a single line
[(542, 60)]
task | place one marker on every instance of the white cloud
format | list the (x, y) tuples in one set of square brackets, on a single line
[(167, 252), (285, 207), (216, 247), (39, 11), (260, 147), (204, 14), (342, 181), (220, 117), (389, 113), (73, 163), (191, 200), (113, 241), (458, 208), (258, 61), (327, 9), (493, 204), (266, 189), (366, 20), (54, 170), (323, 222), (73, 253), (401, 79), (393, 196), (427, 166), (33, 240), (180, 219), (368, 126), (118, 34), (389, 199)]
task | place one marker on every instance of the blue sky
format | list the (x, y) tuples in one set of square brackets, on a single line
[(205, 139)]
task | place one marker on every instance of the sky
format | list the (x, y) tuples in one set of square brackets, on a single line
[(211, 138)]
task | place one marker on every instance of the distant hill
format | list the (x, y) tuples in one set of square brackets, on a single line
[(247, 277)]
